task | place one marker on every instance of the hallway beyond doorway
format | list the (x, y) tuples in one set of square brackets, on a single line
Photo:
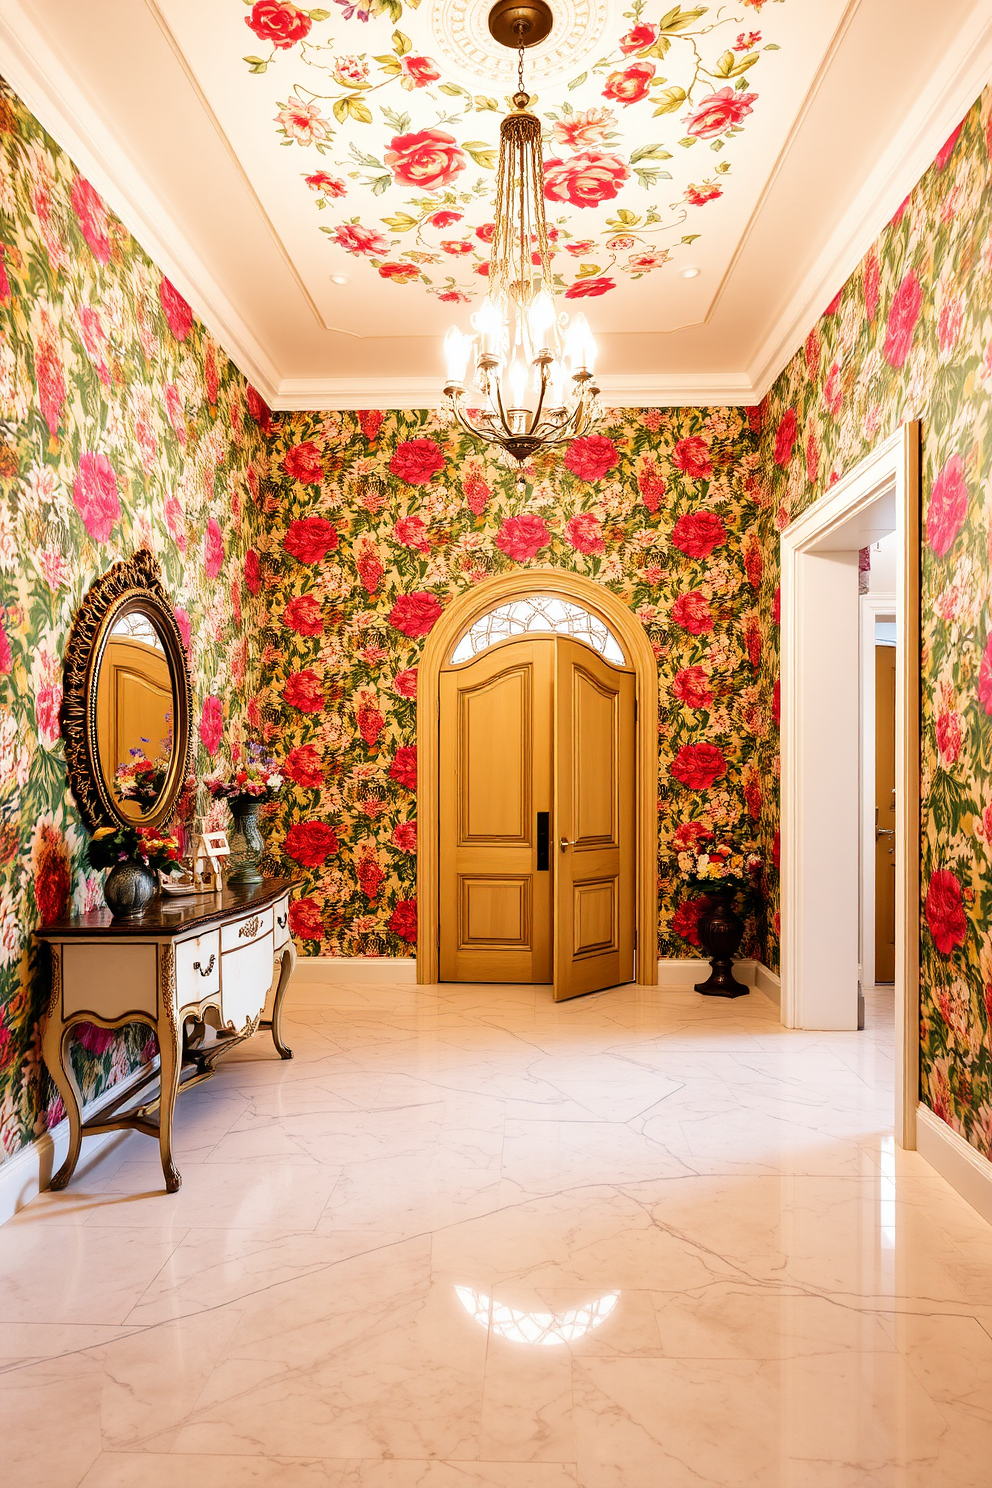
[(471, 1238)]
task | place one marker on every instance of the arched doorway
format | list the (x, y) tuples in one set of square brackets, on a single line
[(455, 623)]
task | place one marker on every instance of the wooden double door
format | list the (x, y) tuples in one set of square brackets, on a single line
[(537, 817)]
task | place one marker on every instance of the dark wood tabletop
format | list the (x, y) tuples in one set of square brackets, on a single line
[(167, 915)]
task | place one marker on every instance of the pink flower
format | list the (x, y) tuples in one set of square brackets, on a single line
[(639, 39), (361, 240), (425, 160), (692, 687), (698, 196), (405, 836), (718, 113), (326, 185), (698, 766), (630, 85), (405, 682), (403, 920), (580, 247), (278, 22), (411, 532), (96, 496), (692, 457), (212, 724), (696, 534), (948, 506), (213, 550), (417, 461), (415, 614), (93, 218), (692, 612), (582, 131), (185, 626), (177, 312), (404, 767), (585, 533), (833, 390), (903, 315), (948, 737), (591, 457), (585, 180), (985, 677), (523, 537), (590, 287), (945, 912), (785, 437), (420, 71)]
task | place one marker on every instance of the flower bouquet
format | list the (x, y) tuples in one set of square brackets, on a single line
[(255, 783), (140, 779), (134, 855), (721, 870)]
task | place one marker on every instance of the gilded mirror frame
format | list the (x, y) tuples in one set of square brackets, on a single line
[(132, 585)]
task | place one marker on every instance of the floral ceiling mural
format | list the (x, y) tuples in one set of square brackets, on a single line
[(403, 152), (909, 336), (379, 519), (122, 425)]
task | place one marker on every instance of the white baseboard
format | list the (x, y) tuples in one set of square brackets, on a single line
[(23, 1176), (366, 970), (370, 970), (686, 971), (964, 1168)]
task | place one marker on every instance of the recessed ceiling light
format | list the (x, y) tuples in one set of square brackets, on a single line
[(689, 272), (339, 278)]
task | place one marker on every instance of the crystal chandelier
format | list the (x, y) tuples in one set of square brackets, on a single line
[(529, 368)]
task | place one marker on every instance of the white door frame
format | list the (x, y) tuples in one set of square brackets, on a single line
[(821, 755), (873, 607)]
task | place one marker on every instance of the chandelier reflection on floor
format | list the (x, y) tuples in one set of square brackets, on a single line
[(529, 368), (538, 1329)]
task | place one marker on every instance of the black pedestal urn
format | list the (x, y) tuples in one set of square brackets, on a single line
[(721, 930)]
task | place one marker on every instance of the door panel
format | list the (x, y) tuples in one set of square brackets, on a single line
[(595, 813), (495, 777), (885, 813)]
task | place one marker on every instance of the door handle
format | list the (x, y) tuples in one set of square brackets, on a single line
[(883, 832), (565, 844)]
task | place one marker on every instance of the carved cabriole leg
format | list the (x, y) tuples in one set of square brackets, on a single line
[(170, 1056), (55, 1050), (287, 966)]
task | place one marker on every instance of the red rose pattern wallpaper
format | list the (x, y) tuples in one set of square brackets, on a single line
[(909, 336), (122, 425), (376, 520)]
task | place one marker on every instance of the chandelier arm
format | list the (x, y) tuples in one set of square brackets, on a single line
[(486, 435), (540, 401)]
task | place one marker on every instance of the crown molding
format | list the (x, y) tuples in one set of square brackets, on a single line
[(951, 92), (643, 391), (34, 71)]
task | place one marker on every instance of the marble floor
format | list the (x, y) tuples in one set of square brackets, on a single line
[(471, 1239)]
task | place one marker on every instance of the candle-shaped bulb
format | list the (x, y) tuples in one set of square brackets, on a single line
[(456, 350)]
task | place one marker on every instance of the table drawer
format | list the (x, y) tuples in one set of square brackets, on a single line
[(246, 976), (281, 922), (248, 928), (198, 967)]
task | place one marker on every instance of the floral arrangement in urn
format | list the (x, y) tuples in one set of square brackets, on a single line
[(134, 855), (140, 779), (254, 783), (721, 870)]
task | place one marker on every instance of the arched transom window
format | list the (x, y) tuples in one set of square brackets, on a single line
[(537, 614)]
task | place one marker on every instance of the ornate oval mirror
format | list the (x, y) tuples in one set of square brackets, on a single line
[(127, 702)]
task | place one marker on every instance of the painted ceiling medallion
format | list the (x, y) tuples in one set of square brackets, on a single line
[(463, 43)]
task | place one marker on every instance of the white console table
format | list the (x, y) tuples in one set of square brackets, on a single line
[(200, 972)]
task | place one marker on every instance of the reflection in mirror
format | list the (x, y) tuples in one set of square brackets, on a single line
[(136, 711)]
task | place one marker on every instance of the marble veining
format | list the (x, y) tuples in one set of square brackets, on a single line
[(469, 1238)]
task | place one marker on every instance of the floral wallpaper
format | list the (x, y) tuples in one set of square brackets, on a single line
[(399, 157), (122, 425), (910, 336), (376, 520)]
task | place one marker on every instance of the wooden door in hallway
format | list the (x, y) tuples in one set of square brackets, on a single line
[(537, 817), (594, 816), (885, 813)]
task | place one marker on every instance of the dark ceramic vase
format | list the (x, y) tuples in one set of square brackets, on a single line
[(247, 846), (721, 930), (129, 888)]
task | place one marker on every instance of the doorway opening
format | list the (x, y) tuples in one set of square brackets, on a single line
[(582, 639), (879, 659), (823, 755)]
